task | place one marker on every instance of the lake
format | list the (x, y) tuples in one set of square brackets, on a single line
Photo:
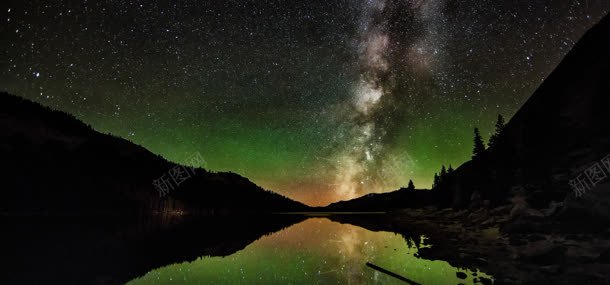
[(315, 251)]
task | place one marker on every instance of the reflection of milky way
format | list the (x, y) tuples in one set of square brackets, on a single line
[(316, 251)]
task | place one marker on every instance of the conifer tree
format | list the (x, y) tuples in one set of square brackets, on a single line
[(495, 137), (479, 146), (411, 186)]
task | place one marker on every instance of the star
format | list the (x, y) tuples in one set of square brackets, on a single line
[(319, 101)]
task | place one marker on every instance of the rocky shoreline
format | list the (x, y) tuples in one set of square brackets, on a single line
[(514, 243)]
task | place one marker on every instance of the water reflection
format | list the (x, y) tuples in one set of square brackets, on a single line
[(114, 250), (315, 251)]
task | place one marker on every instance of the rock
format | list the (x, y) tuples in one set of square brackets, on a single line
[(488, 222), (509, 280), (502, 220), (553, 209), (481, 261), (522, 210), (604, 256), (583, 237), (502, 210), (517, 242), (583, 259), (550, 269), (430, 209), (543, 252), (606, 234), (475, 198), (522, 218), (445, 211), (535, 238), (472, 260), (593, 205), (458, 214), (477, 217), (461, 275), (537, 199), (523, 226), (485, 281)]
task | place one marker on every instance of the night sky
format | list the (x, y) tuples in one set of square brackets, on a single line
[(316, 100)]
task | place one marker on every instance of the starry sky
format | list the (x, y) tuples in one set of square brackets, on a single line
[(318, 100)]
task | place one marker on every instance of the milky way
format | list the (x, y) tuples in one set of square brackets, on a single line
[(364, 166), (317, 100)]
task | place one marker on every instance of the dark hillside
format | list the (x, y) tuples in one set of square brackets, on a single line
[(55, 163)]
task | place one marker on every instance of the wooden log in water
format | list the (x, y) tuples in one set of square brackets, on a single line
[(391, 274)]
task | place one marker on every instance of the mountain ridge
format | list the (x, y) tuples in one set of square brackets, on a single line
[(557, 133), (71, 156)]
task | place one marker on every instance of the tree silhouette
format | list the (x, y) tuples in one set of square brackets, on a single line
[(496, 137), (411, 186), (479, 146), (450, 169), (436, 180), (443, 172)]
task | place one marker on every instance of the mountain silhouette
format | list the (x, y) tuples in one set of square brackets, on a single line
[(560, 132), (380, 202), (54, 163)]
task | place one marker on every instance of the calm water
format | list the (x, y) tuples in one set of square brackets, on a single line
[(315, 251)]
